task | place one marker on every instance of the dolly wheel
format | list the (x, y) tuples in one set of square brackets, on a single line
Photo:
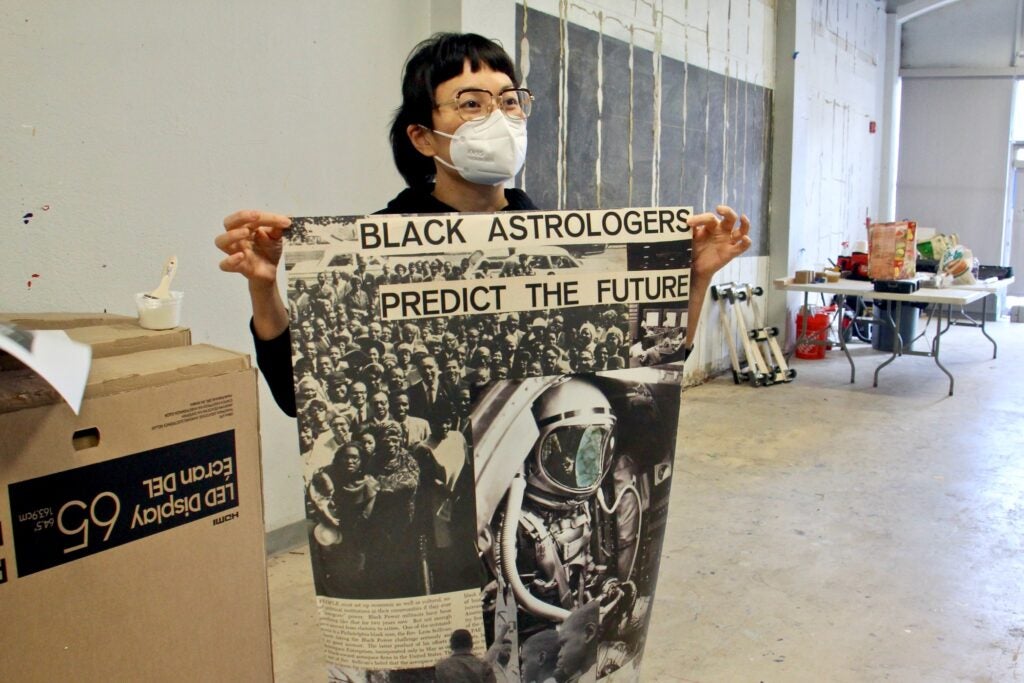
[(791, 373)]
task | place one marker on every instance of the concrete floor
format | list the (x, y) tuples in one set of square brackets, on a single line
[(822, 530)]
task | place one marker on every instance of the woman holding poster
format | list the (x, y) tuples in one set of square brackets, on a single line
[(457, 139), (575, 537)]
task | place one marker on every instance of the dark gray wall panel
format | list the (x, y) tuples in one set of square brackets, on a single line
[(643, 127), (541, 169), (615, 125), (581, 91), (673, 101), (715, 163), (695, 149), (713, 141)]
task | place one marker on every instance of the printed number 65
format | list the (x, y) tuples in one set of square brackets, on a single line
[(83, 528)]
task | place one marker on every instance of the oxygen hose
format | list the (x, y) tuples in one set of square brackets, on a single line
[(509, 571), (639, 519)]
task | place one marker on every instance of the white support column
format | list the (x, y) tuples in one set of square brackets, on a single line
[(786, 162), (890, 119)]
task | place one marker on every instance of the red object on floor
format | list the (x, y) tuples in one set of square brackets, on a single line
[(817, 331)]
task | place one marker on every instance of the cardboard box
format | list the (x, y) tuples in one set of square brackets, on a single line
[(891, 252), (119, 339), (62, 321), (131, 536), (116, 339)]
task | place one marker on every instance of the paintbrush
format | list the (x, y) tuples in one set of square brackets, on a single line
[(162, 290)]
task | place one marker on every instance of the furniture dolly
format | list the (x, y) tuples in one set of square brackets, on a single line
[(765, 362)]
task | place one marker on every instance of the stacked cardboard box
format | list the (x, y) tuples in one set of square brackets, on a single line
[(115, 338), (131, 535)]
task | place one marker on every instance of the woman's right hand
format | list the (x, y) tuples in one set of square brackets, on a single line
[(252, 242)]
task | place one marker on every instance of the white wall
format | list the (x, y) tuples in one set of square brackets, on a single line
[(966, 33), (954, 155), (954, 136), (839, 66), (141, 125), (834, 73)]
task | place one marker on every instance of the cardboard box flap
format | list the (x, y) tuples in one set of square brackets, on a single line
[(118, 339), (62, 321), (149, 368), (20, 389), (23, 388)]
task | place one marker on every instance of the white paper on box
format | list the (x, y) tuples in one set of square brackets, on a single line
[(63, 363)]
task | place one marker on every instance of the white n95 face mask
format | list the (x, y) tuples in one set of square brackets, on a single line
[(489, 151)]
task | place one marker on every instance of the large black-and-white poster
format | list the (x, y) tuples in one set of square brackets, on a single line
[(487, 409)]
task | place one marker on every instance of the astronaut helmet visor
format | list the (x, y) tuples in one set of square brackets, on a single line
[(573, 456)]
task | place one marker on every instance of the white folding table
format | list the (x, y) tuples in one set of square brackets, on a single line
[(988, 288), (857, 288)]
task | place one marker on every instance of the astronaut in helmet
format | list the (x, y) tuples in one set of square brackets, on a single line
[(577, 438), (551, 550)]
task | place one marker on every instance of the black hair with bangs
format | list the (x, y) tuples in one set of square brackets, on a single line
[(431, 63)]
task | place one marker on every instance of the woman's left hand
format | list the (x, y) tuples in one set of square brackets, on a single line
[(716, 241)]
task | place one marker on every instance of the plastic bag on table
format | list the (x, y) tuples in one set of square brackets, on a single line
[(958, 263)]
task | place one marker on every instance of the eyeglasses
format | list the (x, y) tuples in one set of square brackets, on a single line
[(474, 104)]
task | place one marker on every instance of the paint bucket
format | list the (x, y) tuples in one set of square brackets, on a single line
[(159, 314), (812, 346)]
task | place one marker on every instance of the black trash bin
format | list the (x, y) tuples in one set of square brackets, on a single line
[(882, 338)]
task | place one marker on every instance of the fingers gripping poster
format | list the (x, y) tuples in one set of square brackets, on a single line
[(487, 410)]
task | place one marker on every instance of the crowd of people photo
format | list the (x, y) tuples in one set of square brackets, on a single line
[(383, 413)]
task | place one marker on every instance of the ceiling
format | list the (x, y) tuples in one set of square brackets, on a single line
[(892, 5)]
